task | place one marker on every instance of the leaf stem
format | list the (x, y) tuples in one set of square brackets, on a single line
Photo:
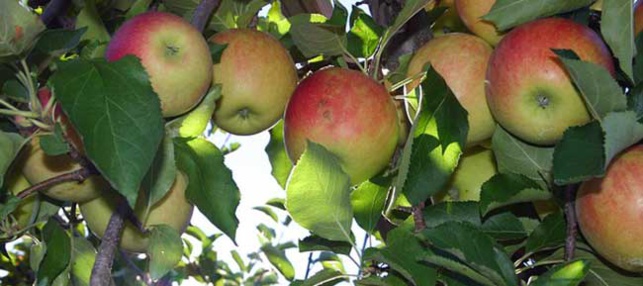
[(28, 82), (11, 112), (406, 81), (570, 216)]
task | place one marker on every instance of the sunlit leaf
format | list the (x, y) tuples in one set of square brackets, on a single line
[(506, 14), (165, 250)]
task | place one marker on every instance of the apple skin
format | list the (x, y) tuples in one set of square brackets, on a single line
[(38, 166), (15, 183), (349, 114), (638, 18), (610, 211), (471, 12), (173, 209), (477, 165), (460, 59), (174, 54), (529, 92), (257, 75)]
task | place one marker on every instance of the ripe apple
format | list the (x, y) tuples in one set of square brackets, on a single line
[(638, 17), (477, 165), (173, 210), (174, 54), (39, 166), (349, 114), (460, 59), (15, 183), (529, 92), (471, 12), (610, 211), (257, 76)]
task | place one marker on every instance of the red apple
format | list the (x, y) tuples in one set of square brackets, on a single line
[(471, 12), (529, 92), (257, 76), (461, 59), (174, 54), (610, 211), (638, 17), (349, 114)]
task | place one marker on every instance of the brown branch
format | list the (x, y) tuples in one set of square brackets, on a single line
[(202, 13), (78, 176), (570, 216), (53, 9), (418, 217), (102, 270)]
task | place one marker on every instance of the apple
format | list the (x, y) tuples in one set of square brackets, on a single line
[(174, 54), (257, 76), (529, 91), (38, 166), (15, 183), (348, 113), (638, 17), (610, 211), (471, 13), (56, 115), (460, 59), (173, 210), (476, 166)]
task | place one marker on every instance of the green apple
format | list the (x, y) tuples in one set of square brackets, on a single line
[(610, 211), (477, 165), (460, 59), (471, 12), (173, 210), (529, 91), (257, 76), (348, 113), (15, 182), (174, 54)]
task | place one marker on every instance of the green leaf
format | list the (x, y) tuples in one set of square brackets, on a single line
[(279, 260), (507, 14), (622, 130), (11, 204), (317, 243), (196, 121), (138, 7), (638, 60), (14, 90), (183, 8), (19, 29), (508, 188), (579, 154), (313, 39), (318, 194), (211, 186), (10, 145), (459, 270), (325, 277), (368, 202), (516, 156), (504, 226), (339, 16), (90, 18), (599, 90), (275, 22), (617, 28), (216, 51), (411, 7), (276, 150), (474, 248), (568, 274), (58, 253), (635, 100), (364, 35), (82, 261), (267, 211), (165, 250), (437, 214), (117, 114), (54, 144), (250, 9), (551, 233), (161, 176), (59, 41), (401, 253)]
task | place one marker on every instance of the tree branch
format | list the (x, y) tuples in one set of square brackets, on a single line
[(102, 270), (570, 216), (202, 13), (418, 217), (53, 9), (78, 175)]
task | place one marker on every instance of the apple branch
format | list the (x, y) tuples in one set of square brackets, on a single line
[(78, 176), (570, 216), (53, 9), (202, 13), (418, 217), (102, 270)]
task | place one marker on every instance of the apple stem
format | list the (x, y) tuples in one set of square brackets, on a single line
[(570, 216), (102, 270), (78, 175), (202, 13)]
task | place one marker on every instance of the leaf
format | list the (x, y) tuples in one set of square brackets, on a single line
[(59, 41), (364, 35), (196, 121), (504, 226), (58, 253), (458, 269), (251, 8), (507, 14), (437, 214), (325, 277), (571, 273), (211, 186), (313, 39), (11, 204), (275, 22), (579, 154), (276, 150), (82, 261), (90, 18), (599, 90), (474, 248), (617, 28), (368, 202), (54, 144), (278, 259), (508, 188), (14, 90), (138, 7), (622, 130), (551, 233), (267, 211), (10, 145), (318, 194), (19, 29), (118, 115), (317, 243), (159, 178), (638, 60), (411, 7), (516, 156), (165, 250)]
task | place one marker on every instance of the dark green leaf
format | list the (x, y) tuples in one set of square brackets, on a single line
[(622, 130), (569, 274), (316, 243), (516, 156), (318, 194), (281, 164), (457, 269), (14, 90), (364, 35), (440, 213), (368, 202), (58, 253), (635, 99), (59, 41), (160, 177), (165, 250), (211, 186), (249, 11), (339, 16), (617, 28), (579, 155), (313, 39), (10, 145), (267, 211), (506, 14), (20, 28), (278, 259), (509, 188), (504, 226), (638, 60), (551, 233), (54, 144), (12, 202), (216, 51), (117, 114)]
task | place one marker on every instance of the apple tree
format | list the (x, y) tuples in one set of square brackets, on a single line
[(487, 142)]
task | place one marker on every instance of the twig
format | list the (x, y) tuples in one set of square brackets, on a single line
[(53, 9), (78, 175), (570, 216), (202, 13), (102, 270), (310, 262), (418, 217)]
